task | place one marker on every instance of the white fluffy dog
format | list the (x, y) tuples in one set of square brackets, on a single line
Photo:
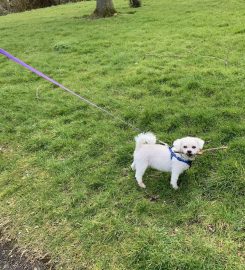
[(162, 157)]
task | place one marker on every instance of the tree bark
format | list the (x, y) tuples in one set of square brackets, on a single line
[(135, 3), (104, 8)]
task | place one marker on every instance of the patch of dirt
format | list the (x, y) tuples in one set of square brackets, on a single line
[(11, 258)]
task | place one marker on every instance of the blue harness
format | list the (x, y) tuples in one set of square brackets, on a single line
[(188, 162)]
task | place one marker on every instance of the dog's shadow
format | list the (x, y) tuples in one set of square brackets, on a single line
[(158, 188)]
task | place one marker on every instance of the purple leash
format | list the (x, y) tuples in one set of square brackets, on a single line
[(39, 73), (23, 64)]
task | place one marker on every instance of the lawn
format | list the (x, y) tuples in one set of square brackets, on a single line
[(175, 68)]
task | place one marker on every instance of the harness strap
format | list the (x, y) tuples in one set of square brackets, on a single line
[(188, 162)]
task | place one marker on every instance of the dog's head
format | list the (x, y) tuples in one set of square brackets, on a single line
[(189, 146)]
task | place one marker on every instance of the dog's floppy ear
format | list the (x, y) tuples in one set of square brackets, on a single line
[(200, 143), (177, 145)]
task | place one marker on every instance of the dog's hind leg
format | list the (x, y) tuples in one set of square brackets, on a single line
[(140, 170)]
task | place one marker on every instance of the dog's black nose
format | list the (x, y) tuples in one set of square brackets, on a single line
[(189, 151)]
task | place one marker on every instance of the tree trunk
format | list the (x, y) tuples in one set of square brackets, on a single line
[(135, 3), (104, 8)]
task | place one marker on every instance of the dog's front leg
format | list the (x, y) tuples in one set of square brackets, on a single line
[(174, 179)]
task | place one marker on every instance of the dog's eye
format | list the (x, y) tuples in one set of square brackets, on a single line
[(194, 147), (185, 146)]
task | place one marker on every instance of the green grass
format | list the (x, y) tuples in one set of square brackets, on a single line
[(66, 188)]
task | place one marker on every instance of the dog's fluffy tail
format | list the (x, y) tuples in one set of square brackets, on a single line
[(145, 138)]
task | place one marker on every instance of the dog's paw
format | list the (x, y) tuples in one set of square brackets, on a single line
[(142, 185), (175, 187)]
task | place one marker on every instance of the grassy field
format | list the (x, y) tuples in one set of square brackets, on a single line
[(66, 188)]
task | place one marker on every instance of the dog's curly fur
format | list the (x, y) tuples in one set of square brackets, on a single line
[(149, 154)]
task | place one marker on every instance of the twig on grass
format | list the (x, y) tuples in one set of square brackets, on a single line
[(208, 150), (37, 92), (212, 149), (190, 53), (210, 56)]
